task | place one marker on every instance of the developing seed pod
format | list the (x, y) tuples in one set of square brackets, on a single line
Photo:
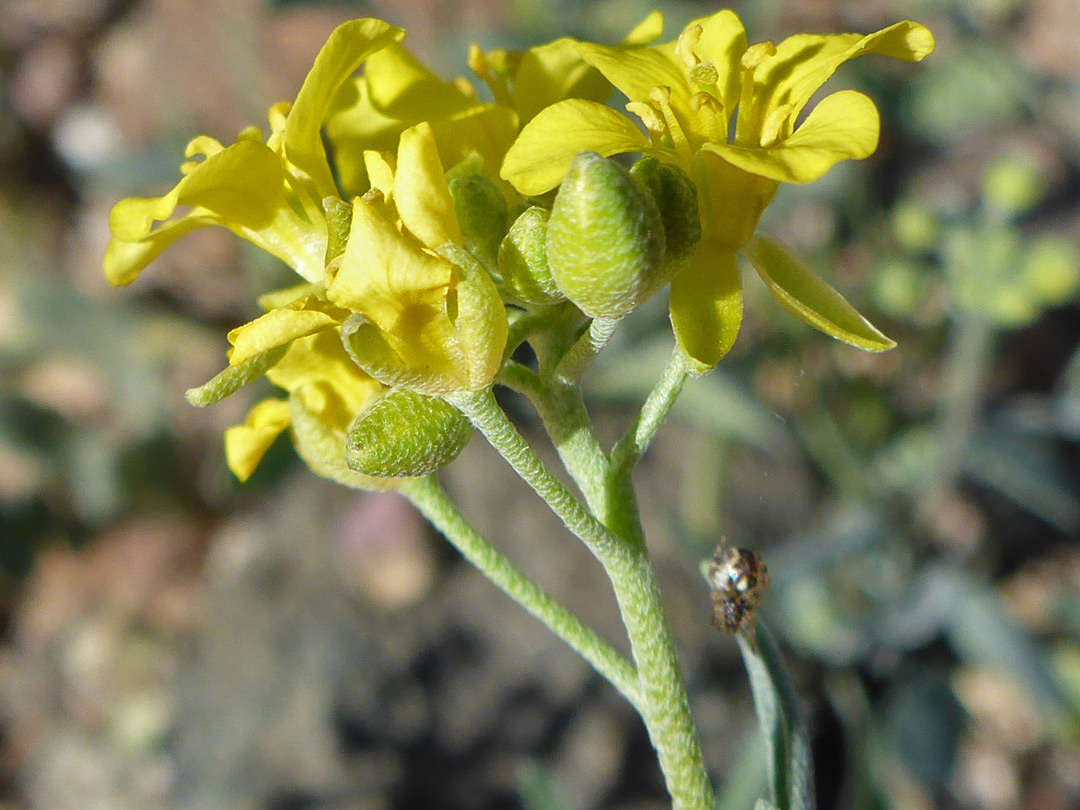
[(676, 199), (403, 434), (605, 239), (523, 262), (482, 213)]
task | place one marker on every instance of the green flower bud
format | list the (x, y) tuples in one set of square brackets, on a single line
[(404, 434), (605, 241), (523, 260), (676, 199), (482, 215)]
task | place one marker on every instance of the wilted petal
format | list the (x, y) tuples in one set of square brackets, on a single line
[(382, 273), (427, 211), (300, 318)]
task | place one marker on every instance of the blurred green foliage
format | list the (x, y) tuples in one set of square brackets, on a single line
[(911, 507)]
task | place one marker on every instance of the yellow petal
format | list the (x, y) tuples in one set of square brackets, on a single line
[(420, 193), (322, 447), (320, 363), (380, 171), (706, 306), (345, 50), (300, 318), (541, 156), (635, 71), (804, 62), (723, 42), (551, 73), (809, 298), (403, 89), (246, 444), (242, 188), (382, 273), (844, 126), (731, 200), (124, 260)]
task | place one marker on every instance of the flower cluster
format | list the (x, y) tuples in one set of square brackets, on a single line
[(428, 235)]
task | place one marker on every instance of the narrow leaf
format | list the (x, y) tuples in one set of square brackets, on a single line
[(786, 740)]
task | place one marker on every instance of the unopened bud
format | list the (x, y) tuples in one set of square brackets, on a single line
[(605, 241), (523, 260), (404, 434), (676, 199), (481, 213)]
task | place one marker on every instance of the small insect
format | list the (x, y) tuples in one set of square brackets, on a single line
[(738, 579)]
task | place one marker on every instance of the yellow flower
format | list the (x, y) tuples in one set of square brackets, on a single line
[(326, 391), (385, 274), (688, 93), (428, 316), (268, 193)]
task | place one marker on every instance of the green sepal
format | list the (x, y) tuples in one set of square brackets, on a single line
[(605, 241), (404, 434), (809, 298), (234, 378), (523, 262), (338, 223), (482, 214), (676, 199)]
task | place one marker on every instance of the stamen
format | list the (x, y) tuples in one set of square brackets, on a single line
[(751, 58), (756, 54), (688, 40), (649, 117), (661, 96), (203, 145), (487, 71), (776, 126), (710, 117)]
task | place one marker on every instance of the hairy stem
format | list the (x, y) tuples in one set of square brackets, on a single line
[(429, 497), (616, 539), (657, 406)]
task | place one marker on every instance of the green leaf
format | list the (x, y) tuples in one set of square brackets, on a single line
[(234, 378), (786, 740), (809, 298)]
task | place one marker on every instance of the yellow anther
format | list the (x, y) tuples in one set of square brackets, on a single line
[(704, 76), (688, 40), (661, 96), (756, 54), (478, 62), (649, 117)]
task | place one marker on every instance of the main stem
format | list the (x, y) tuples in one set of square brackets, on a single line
[(618, 542)]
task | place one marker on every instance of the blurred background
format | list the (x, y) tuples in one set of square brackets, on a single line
[(171, 639)]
